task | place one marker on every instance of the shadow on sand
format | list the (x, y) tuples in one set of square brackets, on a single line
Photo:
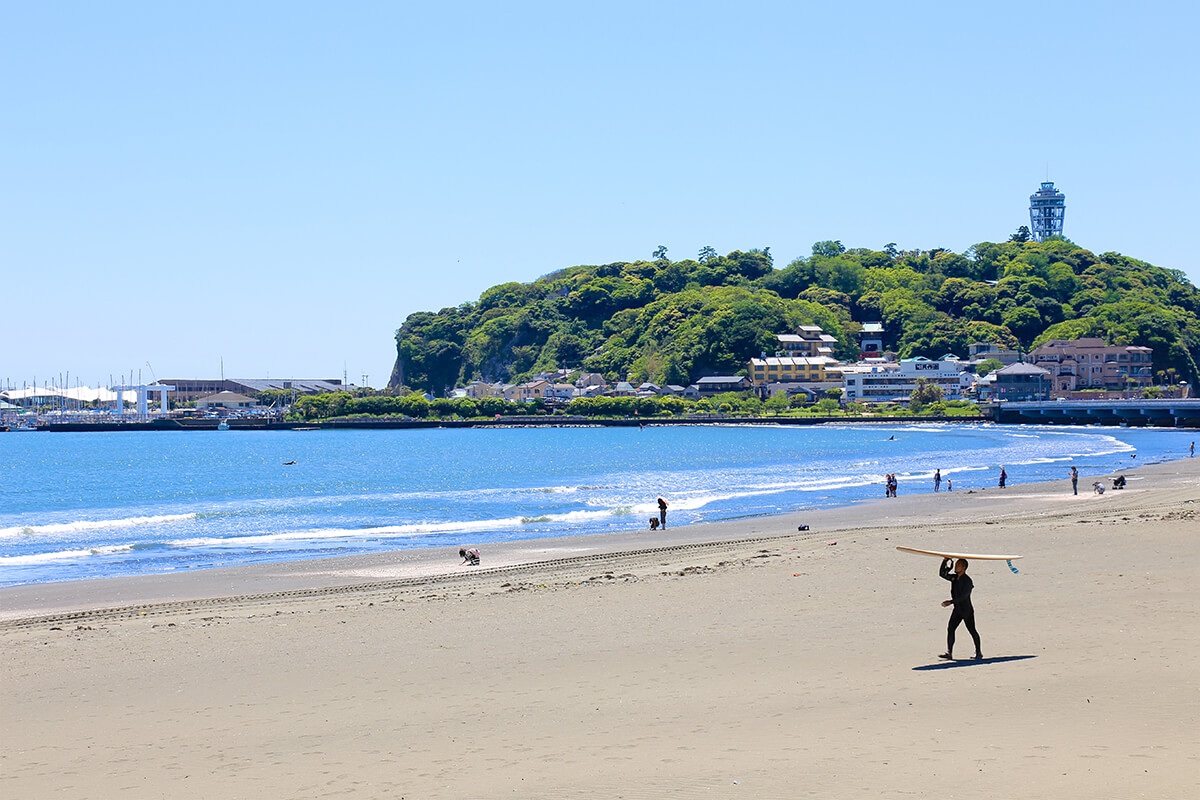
[(969, 662)]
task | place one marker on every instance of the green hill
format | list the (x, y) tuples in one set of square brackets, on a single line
[(676, 321)]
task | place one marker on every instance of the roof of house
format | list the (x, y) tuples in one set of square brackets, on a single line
[(299, 384), (793, 387), (815, 336), (1021, 368), (225, 397), (722, 379), (781, 361)]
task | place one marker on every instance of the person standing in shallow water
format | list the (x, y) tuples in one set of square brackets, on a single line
[(960, 597), (937, 480), (662, 513)]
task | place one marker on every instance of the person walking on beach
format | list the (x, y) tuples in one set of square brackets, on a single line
[(662, 513), (1192, 451), (1003, 477), (960, 597), (937, 480), (1074, 480)]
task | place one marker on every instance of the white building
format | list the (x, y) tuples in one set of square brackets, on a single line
[(877, 383)]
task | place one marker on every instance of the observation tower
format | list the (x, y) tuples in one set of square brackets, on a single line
[(1047, 207)]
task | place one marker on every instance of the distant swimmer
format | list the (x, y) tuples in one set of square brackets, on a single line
[(289, 463), (892, 438)]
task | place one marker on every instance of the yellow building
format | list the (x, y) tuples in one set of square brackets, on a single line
[(792, 369)]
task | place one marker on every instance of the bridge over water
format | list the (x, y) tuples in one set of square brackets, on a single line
[(1133, 413)]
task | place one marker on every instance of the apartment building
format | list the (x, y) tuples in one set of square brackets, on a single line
[(1089, 363)]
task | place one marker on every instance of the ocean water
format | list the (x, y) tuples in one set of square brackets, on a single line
[(86, 505)]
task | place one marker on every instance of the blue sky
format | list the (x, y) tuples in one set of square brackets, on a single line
[(278, 185)]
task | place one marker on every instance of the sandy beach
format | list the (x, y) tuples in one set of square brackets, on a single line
[(737, 659)]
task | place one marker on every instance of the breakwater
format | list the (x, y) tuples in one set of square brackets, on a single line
[(532, 421)]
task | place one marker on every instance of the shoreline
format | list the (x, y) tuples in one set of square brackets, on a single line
[(415, 566)]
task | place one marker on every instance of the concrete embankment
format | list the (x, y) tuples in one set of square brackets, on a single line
[(559, 421)]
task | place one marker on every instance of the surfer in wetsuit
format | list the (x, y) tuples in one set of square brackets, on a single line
[(960, 597)]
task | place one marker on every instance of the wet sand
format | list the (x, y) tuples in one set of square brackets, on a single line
[(740, 658)]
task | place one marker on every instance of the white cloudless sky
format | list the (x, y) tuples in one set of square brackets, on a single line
[(277, 185)]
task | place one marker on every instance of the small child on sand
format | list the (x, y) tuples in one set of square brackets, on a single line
[(469, 556), (654, 523), (1098, 488)]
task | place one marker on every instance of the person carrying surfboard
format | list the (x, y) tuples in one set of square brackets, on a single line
[(960, 597)]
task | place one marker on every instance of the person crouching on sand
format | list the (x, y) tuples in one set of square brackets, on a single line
[(654, 523), (469, 556), (960, 597)]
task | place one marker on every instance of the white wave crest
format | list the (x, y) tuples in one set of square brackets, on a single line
[(80, 526), (62, 555)]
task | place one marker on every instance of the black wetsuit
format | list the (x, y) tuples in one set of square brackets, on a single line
[(960, 593)]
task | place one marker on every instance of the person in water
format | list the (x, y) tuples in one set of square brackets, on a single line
[(937, 480), (960, 597)]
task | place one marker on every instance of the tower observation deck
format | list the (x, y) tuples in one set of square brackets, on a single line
[(1047, 207)]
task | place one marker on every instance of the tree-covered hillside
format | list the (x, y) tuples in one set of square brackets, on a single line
[(676, 321)]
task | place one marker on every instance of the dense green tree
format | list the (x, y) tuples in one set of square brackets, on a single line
[(678, 321), (988, 366)]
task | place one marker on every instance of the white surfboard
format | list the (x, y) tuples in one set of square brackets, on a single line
[(967, 556)]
